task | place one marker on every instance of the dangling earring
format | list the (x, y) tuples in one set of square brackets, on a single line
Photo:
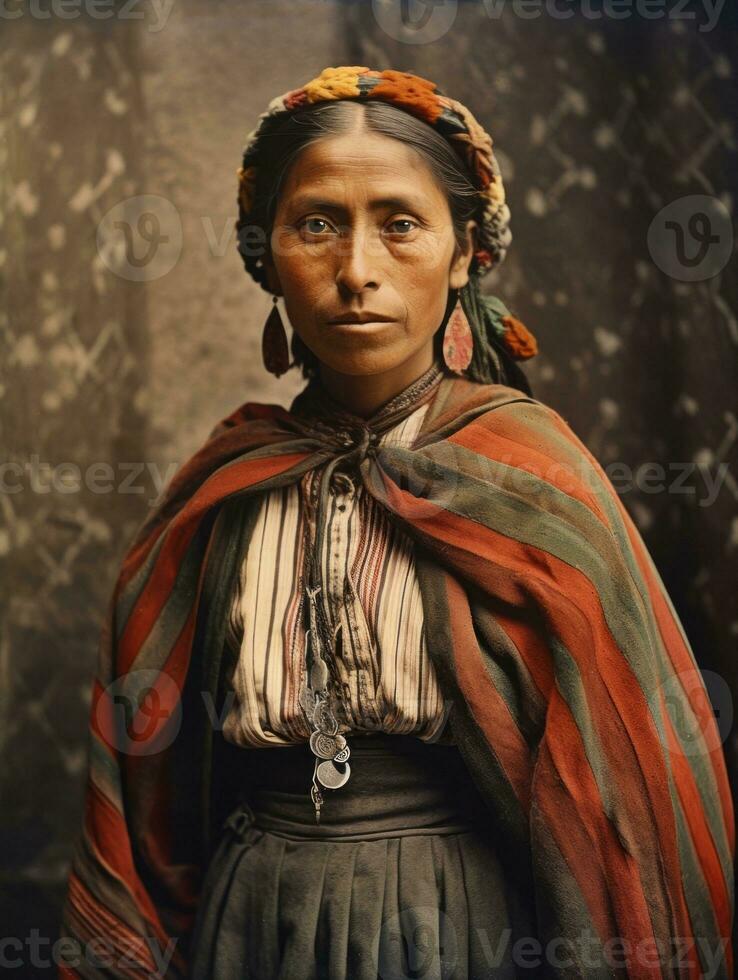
[(458, 340), (274, 349)]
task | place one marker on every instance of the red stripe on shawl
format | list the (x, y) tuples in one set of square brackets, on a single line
[(95, 917), (207, 495), (251, 411), (522, 454), (528, 640), (564, 763), (182, 879), (697, 696), (701, 836), (511, 449), (106, 827), (488, 708), (672, 639), (165, 692), (101, 718), (225, 443), (630, 771), (532, 648), (680, 656), (105, 722), (177, 663), (521, 559), (182, 529), (90, 920), (563, 822)]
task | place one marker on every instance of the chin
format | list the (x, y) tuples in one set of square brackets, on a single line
[(362, 362)]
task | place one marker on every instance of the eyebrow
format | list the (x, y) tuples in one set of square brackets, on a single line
[(311, 202)]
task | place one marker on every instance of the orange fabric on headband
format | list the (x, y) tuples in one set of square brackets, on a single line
[(423, 99)]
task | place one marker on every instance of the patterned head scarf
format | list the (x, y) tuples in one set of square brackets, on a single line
[(497, 332), (423, 99)]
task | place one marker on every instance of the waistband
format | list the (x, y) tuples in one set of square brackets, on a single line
[(398, 785)]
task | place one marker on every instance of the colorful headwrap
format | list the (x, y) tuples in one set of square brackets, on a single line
[(491, 321), (423, 99)]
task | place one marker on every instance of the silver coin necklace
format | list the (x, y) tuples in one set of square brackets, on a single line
[(331, 768)]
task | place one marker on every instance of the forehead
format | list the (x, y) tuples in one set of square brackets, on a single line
[(365, 163)]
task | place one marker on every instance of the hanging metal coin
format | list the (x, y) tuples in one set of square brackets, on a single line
[(326, 746), (331, 769), (331, 776)]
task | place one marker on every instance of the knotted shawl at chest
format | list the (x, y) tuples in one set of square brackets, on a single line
[(577, 702)]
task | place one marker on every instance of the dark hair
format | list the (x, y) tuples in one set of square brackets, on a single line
[(283, 137)]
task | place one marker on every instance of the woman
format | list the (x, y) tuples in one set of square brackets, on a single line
[(390, 686)]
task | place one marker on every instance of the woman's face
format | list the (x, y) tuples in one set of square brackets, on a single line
[(363, 229)]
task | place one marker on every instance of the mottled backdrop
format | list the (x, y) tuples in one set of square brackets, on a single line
[(121, 141)]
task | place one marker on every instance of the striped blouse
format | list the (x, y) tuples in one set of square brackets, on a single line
[(388, 680)]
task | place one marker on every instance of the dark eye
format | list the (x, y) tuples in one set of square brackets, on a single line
[(403, 221), (314, 231)]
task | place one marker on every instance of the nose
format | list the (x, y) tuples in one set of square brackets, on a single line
[(356, 266)]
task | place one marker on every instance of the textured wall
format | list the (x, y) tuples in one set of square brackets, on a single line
[(598, 126), (104, 368), (74, 362)]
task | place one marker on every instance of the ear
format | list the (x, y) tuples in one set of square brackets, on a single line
[(458, 275)]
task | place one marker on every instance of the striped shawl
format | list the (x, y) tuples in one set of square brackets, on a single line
[(577, 702)]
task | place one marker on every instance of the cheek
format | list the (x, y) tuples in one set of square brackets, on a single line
[(300, 279), (424, 289), (425, 267), (295, 268), (305, 289)]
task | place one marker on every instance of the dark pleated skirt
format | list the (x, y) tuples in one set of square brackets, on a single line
[(401, 878)]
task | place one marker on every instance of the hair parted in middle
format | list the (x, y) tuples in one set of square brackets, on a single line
[(280, 142)]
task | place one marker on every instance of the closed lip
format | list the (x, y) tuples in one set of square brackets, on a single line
[(359, 318)]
